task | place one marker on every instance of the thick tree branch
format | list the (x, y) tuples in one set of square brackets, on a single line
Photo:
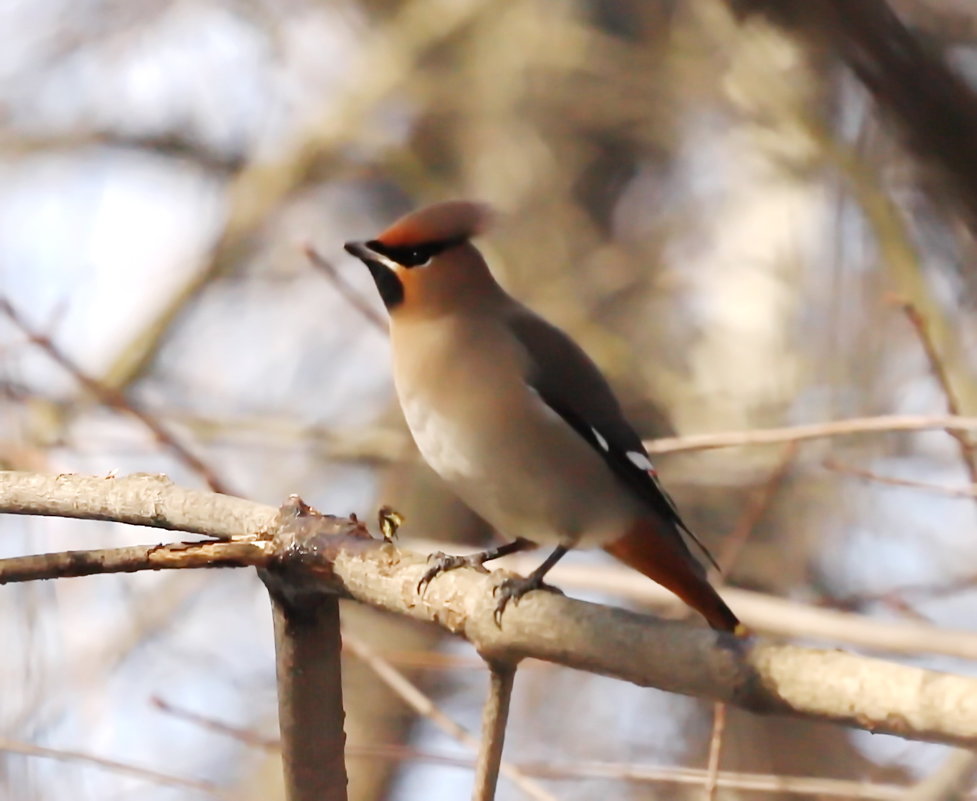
[(754, 674), (142, 499), (310, 693)]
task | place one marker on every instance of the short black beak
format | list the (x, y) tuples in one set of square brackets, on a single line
[(358, 249)]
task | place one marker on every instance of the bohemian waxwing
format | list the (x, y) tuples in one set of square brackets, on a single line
[(516, 418)]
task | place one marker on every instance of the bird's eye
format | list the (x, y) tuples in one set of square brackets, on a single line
[(412, 256), (415, 257)]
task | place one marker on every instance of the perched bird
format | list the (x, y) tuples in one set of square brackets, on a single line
[(516, 418)]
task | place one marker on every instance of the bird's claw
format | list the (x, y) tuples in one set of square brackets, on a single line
[(441, 562), (513, 589)]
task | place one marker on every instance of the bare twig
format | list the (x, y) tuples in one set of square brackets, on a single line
[(116, 399), (617, 771), (382, 445), (176, 556), (495, 716), (838, 428), (29, 749), (715, 750), (868, 475), (238, 733), (918, 322), (755, 510), (328, 269), (424, 706)]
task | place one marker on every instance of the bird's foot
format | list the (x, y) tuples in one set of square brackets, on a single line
[(440, 562), (512, 589)]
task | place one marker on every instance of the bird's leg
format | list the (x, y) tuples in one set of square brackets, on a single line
[(443, 562), (513, 589)]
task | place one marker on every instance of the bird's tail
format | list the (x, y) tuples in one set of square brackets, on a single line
[(663, 557)]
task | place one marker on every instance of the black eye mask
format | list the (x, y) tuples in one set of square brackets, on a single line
[(412, 255)]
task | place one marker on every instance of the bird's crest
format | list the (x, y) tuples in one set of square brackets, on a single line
[(453, 221)]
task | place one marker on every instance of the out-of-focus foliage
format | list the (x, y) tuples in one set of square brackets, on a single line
[(712, 208)]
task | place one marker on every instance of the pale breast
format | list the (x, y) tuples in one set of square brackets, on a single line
[(505, 453), (438, 439)]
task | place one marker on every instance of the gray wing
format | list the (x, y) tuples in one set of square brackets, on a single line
[(572, 386)]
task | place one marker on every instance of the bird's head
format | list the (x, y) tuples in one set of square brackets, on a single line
[(425, 262)]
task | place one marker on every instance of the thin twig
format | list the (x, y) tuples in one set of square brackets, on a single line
[(424, 706), (114, 398), (132, 559), (615, 771), (64, 755), (918, 323), (868, 475), (238, 733), (382, 445), (495, 716), (837, 428), (755, 509), (715, 750), (343, 287)]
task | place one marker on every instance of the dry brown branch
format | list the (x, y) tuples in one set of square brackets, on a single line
[(153, 500), (173, 556), (768, 614), (141, 499), (495, 717), (754, 674), (838, 428), (310, 692), (116, 399)]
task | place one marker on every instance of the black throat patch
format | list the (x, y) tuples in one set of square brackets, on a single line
[(389, 286)]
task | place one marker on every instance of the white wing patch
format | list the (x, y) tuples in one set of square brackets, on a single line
[(640, 461), (600, 439)]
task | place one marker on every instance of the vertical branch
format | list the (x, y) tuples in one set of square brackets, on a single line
[(715, 750), (310, 694), (423, 705), (943, 379), (495, 716)]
